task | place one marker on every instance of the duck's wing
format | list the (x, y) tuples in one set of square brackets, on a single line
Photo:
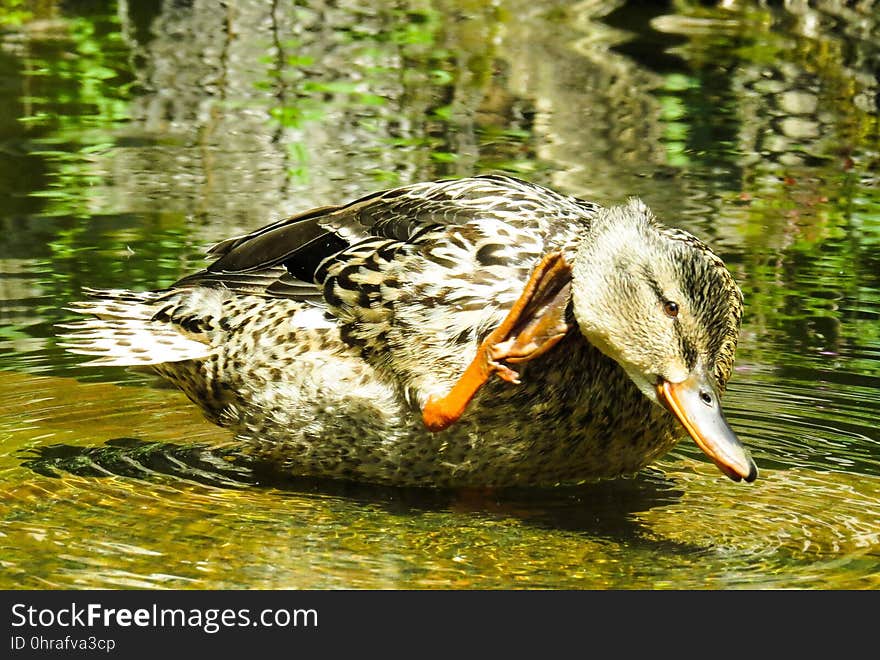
[(290, 257), (421, 278)]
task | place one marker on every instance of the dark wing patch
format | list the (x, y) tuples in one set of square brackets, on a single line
[(246, 283), (296, 236), (301, 242)]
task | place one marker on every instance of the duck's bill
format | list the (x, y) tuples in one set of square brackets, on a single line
[(696, 405)]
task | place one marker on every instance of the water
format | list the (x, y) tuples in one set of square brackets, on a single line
[(132, 137)]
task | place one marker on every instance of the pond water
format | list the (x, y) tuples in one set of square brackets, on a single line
[(132, 136)]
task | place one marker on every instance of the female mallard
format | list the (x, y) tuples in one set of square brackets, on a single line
[(361, 341)]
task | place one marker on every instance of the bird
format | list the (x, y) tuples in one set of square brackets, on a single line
[(482, 331)]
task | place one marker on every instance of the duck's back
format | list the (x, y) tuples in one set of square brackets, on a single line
[(414, 277)]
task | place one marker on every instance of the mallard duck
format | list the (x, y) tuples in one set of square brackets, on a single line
[(483, 331)]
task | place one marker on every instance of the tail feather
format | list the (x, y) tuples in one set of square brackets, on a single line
[(123, 331)]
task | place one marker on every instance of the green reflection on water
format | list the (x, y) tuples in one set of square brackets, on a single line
[(131, 515), (415, 81), (74, 92), (131, 139)]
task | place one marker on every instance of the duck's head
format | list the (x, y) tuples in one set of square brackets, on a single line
[(664, 307)]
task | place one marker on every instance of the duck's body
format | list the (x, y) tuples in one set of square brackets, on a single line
[(328, 340)]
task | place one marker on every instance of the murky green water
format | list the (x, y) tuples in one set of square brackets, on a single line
[(133, 137)]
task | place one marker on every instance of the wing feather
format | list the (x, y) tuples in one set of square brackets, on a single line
[(289, 258)]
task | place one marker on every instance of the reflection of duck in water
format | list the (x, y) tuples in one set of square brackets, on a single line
[(363, 341)]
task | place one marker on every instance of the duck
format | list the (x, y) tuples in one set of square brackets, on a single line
[(482, 331)]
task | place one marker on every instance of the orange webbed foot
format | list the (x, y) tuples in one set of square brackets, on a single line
[(535, 324)]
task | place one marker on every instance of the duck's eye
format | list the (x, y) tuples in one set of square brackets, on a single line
[(671, 308)]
